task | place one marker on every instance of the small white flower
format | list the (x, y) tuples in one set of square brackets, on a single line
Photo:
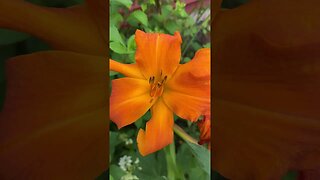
[(128, 141), (137, 161), (125, 163)]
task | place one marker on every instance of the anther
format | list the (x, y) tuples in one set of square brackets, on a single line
[(151, 80)]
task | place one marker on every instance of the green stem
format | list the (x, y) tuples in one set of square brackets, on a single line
[(180, 132), (170, 162), (172, 168)]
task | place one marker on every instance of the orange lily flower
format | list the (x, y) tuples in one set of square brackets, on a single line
[(205, 129), (158, 82), (266, 91), (54, 121)]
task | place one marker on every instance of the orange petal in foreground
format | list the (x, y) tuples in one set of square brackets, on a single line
[(54, 120), (159, 130), (157, 53), (85, 36), (188, 92), (266, 89), (129, 100)]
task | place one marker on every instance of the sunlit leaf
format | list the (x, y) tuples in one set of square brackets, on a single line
[(115, 35), (118, 47)]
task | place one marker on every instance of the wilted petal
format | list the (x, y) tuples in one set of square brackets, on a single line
[(73, 29), (159, 129), (54, 120), (188, 92), (205, 129), (157, 53), (266, 89), (129, 100)]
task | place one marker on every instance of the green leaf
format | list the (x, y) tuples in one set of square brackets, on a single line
[(131, 44), (115, 19), (10, 37), (140, 123), (126, 3), (171, 27), (112, 73), (202, 155), (113, 141), (184, 163), (144, 7), (118, 47), (116, 172), (153, 166), (140, 16), (115, 35), (166, 10)]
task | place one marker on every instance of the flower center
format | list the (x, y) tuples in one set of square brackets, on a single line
[(156, 86)]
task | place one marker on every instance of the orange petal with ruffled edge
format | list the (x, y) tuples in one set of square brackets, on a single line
[(187, 93), (129, 70), (157, 53), (129, 100), (159, 129), (266, 89), (73, 29), (54, 120)]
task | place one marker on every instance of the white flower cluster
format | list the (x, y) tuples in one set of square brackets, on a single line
[(127, 165), (125, 162)]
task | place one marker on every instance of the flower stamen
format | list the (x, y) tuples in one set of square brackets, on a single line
[(156, 86)]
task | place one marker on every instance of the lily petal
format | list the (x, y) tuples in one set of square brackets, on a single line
[(216, 4), (157, 53), (60, 28), (266, 91), (188, 91), (159, 130), (54, 120), (252, 143), (129, 100), (99, 11), (129, 70), (205, 129)]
